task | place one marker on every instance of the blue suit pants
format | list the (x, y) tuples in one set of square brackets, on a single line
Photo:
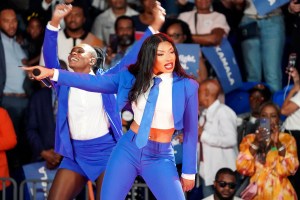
[(155, 163)]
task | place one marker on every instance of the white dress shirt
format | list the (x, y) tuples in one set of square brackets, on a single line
[(163, 114), (87, 118), (219, 141), (292, 122)]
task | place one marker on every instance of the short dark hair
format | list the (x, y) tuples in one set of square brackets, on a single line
[(81, 4), (126, 18), (263, 90), (224, 170)]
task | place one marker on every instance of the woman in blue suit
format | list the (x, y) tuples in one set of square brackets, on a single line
[(176, 109)]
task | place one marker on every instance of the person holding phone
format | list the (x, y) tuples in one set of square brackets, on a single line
[(293, 16), (291, 109), (269, 156)]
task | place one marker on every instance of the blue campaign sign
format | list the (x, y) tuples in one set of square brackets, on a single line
[(263, 7), (38, 171), (189, 55), (224, 63)]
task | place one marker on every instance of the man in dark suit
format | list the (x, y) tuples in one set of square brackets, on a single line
[(40, 127)]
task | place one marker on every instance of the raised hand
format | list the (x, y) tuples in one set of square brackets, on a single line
[(295, 75), (159, 14), (61, 10)]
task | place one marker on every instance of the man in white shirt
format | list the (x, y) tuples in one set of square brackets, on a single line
[(103, 25), (217, 134), (291, 109)]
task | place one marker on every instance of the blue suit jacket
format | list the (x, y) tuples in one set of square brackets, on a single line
[(62, 137), (184, 105)]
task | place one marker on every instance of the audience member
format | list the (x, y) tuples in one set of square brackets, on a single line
[(40, 126), (174, 8), (74, 33), (45, 7), (121, 45), (8, 140), (217, 134), (33, 40), (97, 7), (224, 185), (143, 19), (13, 86), (291, 109), (233, 13), (294, 10), (268, 157), (124, 38), (104, 28), (180, 32), (263, 47), (258, 95), (207, 27)]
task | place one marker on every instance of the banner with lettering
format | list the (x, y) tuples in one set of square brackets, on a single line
[(263, 7), (37, 171), (189, 55), (224, 63)]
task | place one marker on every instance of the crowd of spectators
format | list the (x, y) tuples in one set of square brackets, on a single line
[(114, 25)]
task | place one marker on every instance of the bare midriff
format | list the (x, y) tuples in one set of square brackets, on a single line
[(157, 135)]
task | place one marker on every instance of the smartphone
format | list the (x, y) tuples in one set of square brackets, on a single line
[(292, 60), (265, 123)]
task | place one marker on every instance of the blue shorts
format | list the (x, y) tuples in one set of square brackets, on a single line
[(90, 156)]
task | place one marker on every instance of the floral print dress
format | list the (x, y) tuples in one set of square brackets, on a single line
[(271, 177)]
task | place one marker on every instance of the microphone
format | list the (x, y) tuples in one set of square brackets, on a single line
[(45, 81), (292, 62)]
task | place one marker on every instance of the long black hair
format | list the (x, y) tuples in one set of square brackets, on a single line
[(143, 68)]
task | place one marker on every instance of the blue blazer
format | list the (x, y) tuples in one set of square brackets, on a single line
[(184, 96), (62, 134)]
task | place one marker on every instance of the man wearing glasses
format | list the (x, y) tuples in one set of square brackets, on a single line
[(224, 185)]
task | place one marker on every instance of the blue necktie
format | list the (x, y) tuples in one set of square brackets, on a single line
[(143, 133)]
